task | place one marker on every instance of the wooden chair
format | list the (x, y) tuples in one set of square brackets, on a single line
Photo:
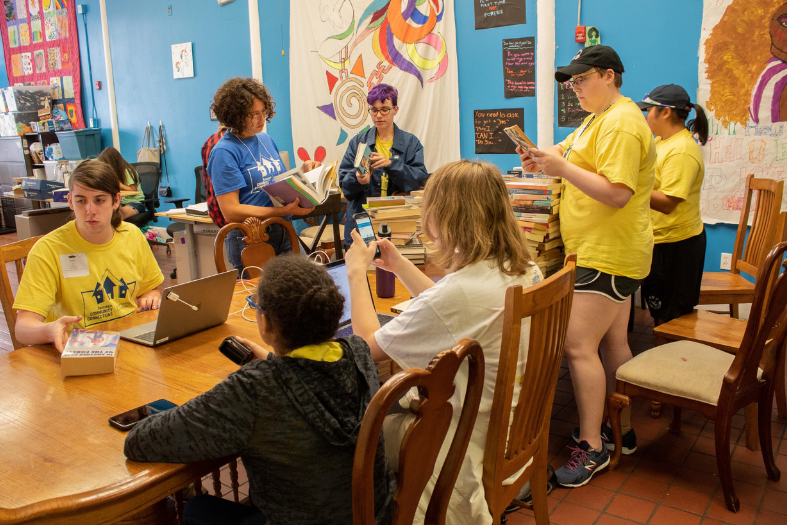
[(698, 377), (15, 252), (732, 288), (516, 450), (257, 251), (423, 439)]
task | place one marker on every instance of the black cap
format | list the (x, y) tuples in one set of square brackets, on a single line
[(667, 96), (588, 57)]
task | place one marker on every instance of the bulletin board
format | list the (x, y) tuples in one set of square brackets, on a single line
[(41, 47)]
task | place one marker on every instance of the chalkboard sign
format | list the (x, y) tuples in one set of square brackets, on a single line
[(569, 113), (519, 67), (499, 13), (489, 134)]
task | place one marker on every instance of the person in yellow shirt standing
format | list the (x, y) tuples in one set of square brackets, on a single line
[(607, 166), (672, 288), (94, 269)]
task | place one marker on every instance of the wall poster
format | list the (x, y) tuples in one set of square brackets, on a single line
[(519, 67), (41, 48), (743, 88), (182, 61), (499, 13)]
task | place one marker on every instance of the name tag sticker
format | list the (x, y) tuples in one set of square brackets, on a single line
[(74, 265)]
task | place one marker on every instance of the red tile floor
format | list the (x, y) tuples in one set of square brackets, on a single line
[(670, 480)]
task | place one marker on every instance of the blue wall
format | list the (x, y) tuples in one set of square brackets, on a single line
[(653, 51)]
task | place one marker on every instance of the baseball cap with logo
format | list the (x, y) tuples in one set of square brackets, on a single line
[(667, 96), (594, 56)]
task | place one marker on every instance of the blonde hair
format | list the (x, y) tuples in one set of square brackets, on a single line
[(467, 213)]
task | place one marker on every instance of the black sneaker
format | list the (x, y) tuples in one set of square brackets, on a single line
[(526, 497), (580, 467), (629, 439)]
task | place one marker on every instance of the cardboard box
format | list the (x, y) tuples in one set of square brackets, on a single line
[(89, 352), (38, 189), (60, 195), (28, 98)]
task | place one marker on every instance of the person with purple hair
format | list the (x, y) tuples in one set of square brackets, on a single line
[(397, 157)]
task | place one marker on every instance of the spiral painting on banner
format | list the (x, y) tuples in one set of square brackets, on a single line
[(340, 49), (743, 88)]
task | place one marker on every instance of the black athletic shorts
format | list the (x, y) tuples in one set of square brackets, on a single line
[(615, 287), (673, 287)]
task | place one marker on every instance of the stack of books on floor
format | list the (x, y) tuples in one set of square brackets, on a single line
[(535, 199), (403, 215)]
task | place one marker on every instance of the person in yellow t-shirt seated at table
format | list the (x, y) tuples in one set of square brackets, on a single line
[(94, 269), (672, 288)]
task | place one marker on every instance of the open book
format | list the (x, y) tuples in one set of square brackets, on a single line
[(516, 134), (312, 187), (362, 158)]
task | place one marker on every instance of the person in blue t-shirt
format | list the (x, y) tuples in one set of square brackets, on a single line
[(245, 160)]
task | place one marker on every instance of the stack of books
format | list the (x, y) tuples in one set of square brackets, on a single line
[(403, 216), (535, 199)]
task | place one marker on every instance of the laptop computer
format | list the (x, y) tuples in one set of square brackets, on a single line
[(338, 272), (187, 308)]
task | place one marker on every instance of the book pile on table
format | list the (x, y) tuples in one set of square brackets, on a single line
[(402, 213), (535, 199)]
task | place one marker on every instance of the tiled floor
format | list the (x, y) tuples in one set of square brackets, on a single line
[(670, 480)]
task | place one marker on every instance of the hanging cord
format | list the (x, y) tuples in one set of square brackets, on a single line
[(89, 68), (579, 10)]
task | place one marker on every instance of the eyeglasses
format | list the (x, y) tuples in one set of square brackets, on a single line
[(384, 110), (579, 80), (252, 304), (256, 117)]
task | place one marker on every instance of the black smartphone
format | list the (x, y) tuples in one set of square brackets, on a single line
[(127, 420), (363, 223)]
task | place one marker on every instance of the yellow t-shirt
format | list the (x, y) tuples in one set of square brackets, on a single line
[(384, 148), (679, 173), (329, 352), (618, 145), (116, 274)]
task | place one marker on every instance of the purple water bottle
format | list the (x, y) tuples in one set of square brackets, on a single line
[(385, 281)]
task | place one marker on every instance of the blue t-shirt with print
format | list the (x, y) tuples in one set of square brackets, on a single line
[(245, 165)]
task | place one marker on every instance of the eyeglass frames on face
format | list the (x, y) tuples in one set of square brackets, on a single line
[(256, 117), (252, 304), (384, 110), (579, 80)]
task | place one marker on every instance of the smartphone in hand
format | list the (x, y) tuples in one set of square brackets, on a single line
[(363, 223)]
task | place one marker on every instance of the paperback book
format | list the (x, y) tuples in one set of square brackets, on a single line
[(89, 352), (312, 187), (362, 158)]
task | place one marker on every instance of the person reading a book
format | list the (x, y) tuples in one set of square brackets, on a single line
[(672, 288), (466, 213), (128, 178), (395, 159), (607, 166), (293, 414), (245, 160), (94, 269)]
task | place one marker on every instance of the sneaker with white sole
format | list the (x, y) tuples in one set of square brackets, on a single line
[(580, 467), (629, 439)]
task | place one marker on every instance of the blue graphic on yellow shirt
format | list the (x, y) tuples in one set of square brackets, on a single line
[(109, 299)]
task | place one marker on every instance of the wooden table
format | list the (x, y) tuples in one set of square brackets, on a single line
[(60, 459)]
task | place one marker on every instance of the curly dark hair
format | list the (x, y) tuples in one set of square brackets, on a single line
[(233, 100), (300, 301)]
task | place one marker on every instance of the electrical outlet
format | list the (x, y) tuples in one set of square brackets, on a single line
[(726, 261)]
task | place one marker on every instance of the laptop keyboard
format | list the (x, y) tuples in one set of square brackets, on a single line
[(348, 330), (147, 336)]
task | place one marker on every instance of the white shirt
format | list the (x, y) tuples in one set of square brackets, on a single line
[(466, 303)]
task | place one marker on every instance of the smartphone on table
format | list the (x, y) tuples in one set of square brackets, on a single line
[(127, 420), (363, 223)]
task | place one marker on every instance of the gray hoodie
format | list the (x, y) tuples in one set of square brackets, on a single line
[(294, 423)]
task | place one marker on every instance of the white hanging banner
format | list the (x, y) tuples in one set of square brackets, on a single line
[(743, 87), (341, 50)]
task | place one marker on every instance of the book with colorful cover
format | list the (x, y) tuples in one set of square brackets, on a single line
[(522, 191), (311, 187), (89, 352), (383, 202), (532, 186), (362, 155)]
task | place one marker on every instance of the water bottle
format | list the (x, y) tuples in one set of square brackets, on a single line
[(385, 281)]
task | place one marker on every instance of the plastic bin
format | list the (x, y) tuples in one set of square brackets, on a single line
[(80, 144)]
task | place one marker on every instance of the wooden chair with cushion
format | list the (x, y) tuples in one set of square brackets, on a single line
[(732, 288), (717, 384), (423, 439), (517, 448), (257, 251), (16, 253)]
